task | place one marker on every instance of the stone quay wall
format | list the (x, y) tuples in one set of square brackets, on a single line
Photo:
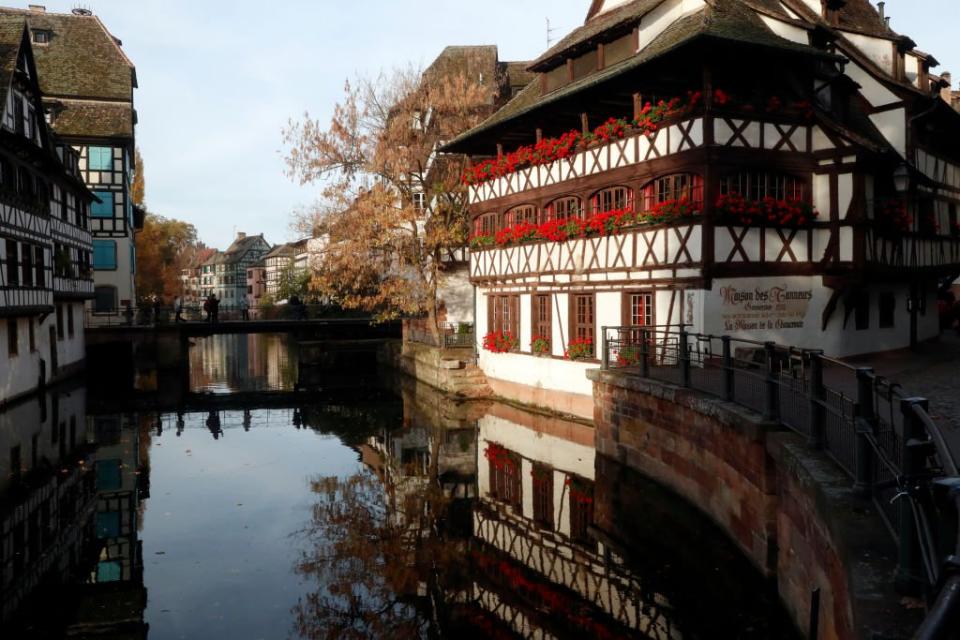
[(453, 371), (790, 510)]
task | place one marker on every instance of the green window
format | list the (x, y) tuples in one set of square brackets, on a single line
[(100, 159), (104, 208), (104, 254)]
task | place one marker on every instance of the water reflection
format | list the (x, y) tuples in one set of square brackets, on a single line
[(233, 363), (388, 511), (69, 512)]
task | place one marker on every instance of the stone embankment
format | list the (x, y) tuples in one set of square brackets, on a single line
[(789, 509), (452, 370)]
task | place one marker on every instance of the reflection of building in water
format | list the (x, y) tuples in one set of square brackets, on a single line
[(69, 497), (534, 550), (254, 362), (47, 495), (110, 597)]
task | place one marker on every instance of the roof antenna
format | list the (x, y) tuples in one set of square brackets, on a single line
[(550, 31)]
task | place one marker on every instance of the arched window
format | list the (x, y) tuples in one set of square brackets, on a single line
[(673, 188), (518, 215), (567, 208), (485, 224), (757, 185), (612, 199)]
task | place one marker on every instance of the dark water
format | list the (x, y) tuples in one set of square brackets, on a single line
[(376, 511)]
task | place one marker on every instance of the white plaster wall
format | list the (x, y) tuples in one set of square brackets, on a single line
[(541, 373), (526, 322), (123, 277), (561, 315), (892, 124), (878, 50), (20, 374), (481, 321), (844, 193), (456, 292), (875, 93), (785, 30), (836, 340), (71, 350), (545, 448), (655, 22), (912, 68), (609, 314), (821, 195)]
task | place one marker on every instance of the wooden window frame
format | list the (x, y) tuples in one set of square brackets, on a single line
[(747, 185), (578, 327), (541, 316), (673, 186), (550, 212), (503, 314), (542, 495), (507, 486), (521, 213), (627, 307), (608, 199), (12, 262)]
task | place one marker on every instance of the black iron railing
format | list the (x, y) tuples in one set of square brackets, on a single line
[(882, 437)]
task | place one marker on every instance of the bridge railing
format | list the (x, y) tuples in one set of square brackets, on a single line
[(882, 437), (149, 316)]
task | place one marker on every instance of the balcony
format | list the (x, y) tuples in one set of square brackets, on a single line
[(76, 288), (729, 128)]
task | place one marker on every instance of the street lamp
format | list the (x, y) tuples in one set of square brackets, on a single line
[(901, 179)]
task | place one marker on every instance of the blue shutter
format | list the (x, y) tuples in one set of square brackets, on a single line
[(104, 208), (133, 258), (104, 254)]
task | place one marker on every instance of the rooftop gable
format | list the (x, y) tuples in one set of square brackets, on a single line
[(82, 58)]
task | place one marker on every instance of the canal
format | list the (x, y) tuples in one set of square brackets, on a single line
[(376, 510)]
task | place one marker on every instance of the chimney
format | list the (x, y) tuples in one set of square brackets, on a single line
[(946, 89), (241, 235), (880, 8), (36, 8)]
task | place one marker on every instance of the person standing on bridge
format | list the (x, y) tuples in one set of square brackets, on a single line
[(178, 305), (244, 309), (215, 308)]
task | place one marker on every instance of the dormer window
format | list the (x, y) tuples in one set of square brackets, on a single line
[(41, 36)]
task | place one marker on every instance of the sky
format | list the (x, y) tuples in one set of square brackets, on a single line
[(220, 79)]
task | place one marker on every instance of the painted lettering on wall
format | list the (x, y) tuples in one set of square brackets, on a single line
[(764, 308)]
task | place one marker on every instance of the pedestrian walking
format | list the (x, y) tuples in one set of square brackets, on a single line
[(244, 309), (156, 309), (208, 308), (215, 308)]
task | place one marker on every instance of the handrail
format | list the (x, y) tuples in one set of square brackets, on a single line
[(878, 435)]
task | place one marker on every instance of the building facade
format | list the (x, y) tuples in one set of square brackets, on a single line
[(88, 84), (224, 274), (45, 243), (256, 284), (643, 179)]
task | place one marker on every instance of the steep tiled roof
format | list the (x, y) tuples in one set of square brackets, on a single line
[(623, 17), (83, 118), (724, 20), (279, 251), (241, 246), (82, 58), (11, 35)]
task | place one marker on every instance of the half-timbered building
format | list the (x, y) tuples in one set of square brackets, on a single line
[(770, 169), (88, 84), (45, 243)]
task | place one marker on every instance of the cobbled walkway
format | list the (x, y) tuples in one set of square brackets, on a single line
[(931, 371)]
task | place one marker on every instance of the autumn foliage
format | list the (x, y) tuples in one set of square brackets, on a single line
[(391, 206)]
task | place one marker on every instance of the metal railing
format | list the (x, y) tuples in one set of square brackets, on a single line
[(149, 316), (453, 335), (880, 436)]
